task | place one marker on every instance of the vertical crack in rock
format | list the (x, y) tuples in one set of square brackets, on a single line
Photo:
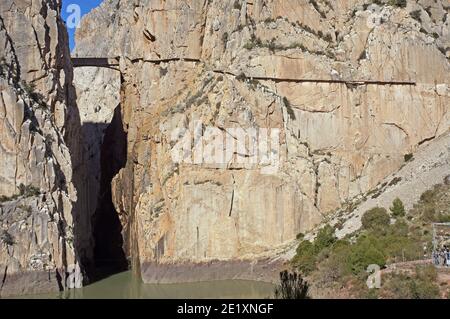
[(4, 277), (232, 197)]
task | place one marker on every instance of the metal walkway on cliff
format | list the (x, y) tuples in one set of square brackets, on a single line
[(113, 63)]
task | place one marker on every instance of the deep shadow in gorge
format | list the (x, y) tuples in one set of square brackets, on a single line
[(109, 255)]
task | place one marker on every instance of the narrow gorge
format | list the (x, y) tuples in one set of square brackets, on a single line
[(89, 183)]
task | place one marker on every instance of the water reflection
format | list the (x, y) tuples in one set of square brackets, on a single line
[(127, 286)]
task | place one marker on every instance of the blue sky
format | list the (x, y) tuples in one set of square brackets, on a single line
[(85, 5)]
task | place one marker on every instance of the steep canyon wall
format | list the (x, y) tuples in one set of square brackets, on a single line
[(44, 239), (352, 87)]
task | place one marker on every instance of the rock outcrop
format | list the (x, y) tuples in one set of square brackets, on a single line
[(350, 87), (42, 238)]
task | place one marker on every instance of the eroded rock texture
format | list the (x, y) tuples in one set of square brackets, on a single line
[(352, 88), (41, 245)]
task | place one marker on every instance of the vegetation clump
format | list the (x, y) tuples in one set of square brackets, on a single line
[(416, 15), (408, 157), (307, 252), (376, 220), (28, 190), (386, 237), (420, 285), (292, 286), (30, 89), (6, 238), (398, 3), (24, 191), (225, 38), (398, 209)]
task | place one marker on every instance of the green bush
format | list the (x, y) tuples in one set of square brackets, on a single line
[(400, 228), (397, 209), (300, 236), (400, 249), (325, 238), (307, 253), (305, 259), (336, 267), (428, 196), (408, 157), (367, 250), (376, 219)]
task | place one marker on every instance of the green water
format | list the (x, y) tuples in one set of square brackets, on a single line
[(125, 285)]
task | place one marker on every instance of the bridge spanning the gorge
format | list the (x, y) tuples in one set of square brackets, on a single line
[(96, 62), (114, 63)]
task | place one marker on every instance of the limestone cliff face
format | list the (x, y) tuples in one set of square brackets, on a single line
[(40, 249), (351, 87)]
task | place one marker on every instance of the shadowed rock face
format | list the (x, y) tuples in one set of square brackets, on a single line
[(105, 153), (337, 141), (43, 239), (109, 255)]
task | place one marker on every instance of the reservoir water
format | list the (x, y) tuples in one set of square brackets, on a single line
[(125, 285)]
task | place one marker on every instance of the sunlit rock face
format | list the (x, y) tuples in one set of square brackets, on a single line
[(42, 239), (351, 89)]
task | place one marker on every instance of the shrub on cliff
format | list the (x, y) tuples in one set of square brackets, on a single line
[(376, 219), (416, 15), (434, 205), (325, 238), (367, 250), (305, 258), (29, 190), (307, 252), (397, 209), (6, 238), (30, 90), (398, 3)]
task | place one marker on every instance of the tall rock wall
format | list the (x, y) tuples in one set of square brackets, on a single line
[(351, 87), (41, 245)]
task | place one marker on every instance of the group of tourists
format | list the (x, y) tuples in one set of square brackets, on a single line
[(441, 257)]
